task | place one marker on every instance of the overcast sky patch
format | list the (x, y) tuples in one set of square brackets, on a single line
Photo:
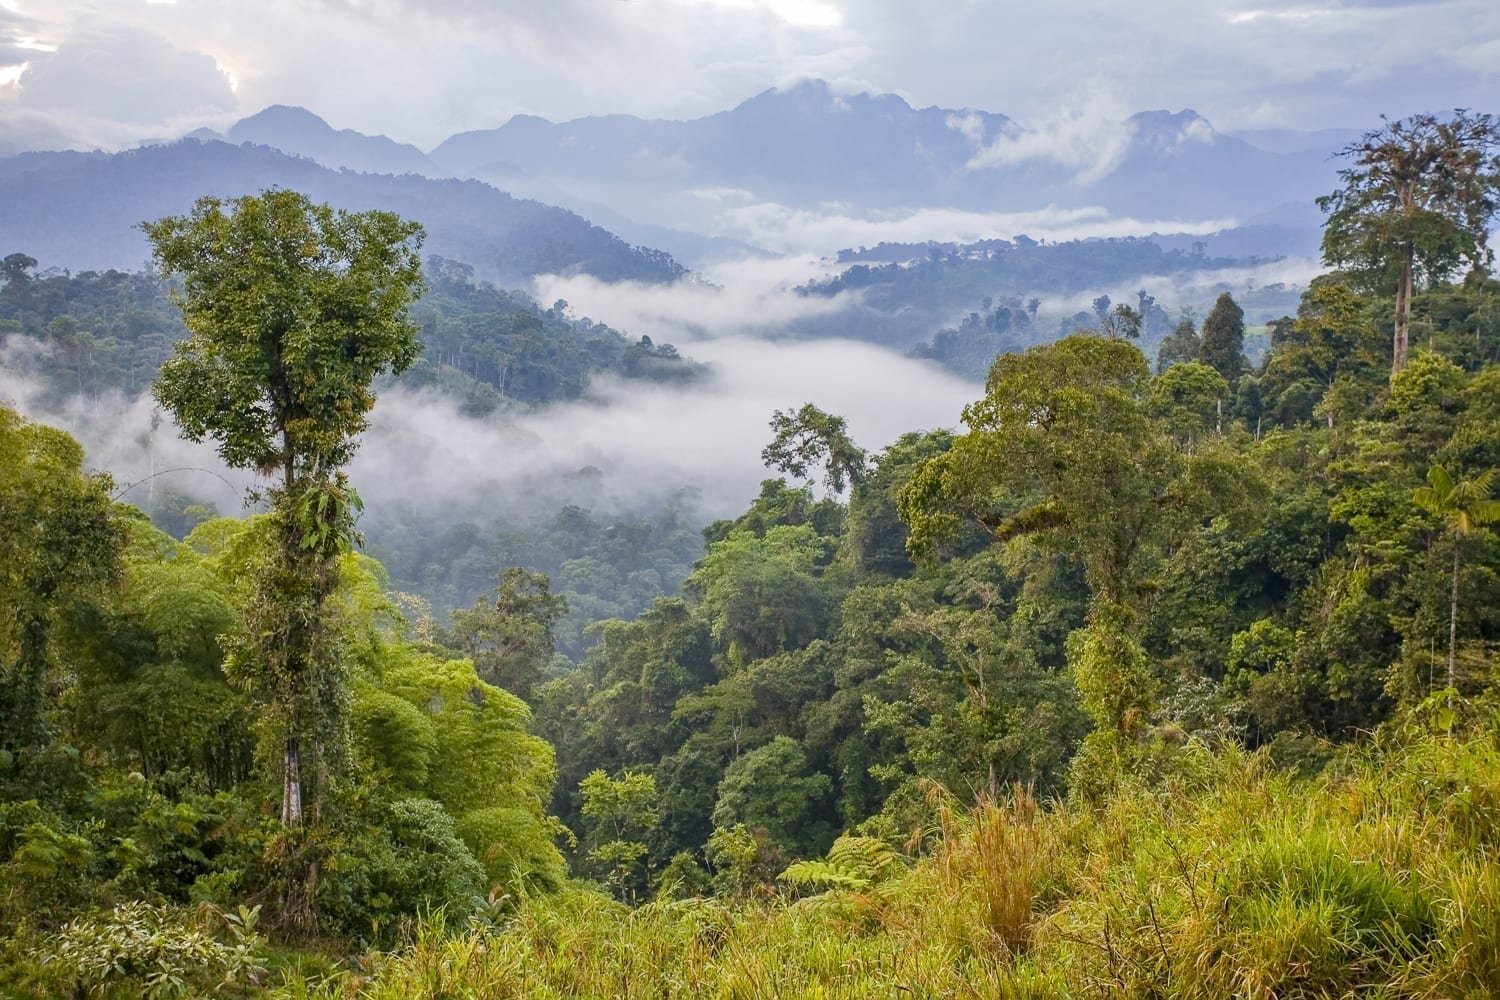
[(420, 70)]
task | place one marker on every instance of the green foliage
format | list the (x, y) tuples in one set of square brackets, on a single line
[(139, 950), (1188, 399), (1222, 343), (293, 309), (478, 729), (852, 864), (770, 789), (1113, 675), (60, 552), (1242, 882), (811, 437), (1415, 205), (404, 859), (1181, 345), (1126, 584), (510, 637), (620, 814), (760, 594), (516, 847)]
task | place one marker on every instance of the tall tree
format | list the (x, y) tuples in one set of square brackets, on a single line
[(511, 637), (1063, 447), (60, 552), (1464, 506), (1416, 204), (292, 309), (1222, 345), (808, 438)]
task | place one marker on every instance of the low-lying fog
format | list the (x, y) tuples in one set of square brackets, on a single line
[(626, 444)]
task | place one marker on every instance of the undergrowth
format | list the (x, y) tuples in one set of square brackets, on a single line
[(1379, 878)]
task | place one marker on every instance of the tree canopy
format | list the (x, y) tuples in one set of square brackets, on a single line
[(1416, 203)]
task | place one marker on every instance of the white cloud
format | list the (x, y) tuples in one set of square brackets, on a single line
[(968, 124), (1089, 139), (124, 75), (646, 439), (789, 230), (750, 296)]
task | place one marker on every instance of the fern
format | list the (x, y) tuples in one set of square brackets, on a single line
[(853, 864)]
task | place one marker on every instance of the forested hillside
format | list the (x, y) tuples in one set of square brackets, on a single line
[(91, 333), (1158, 676), (1011, 294)]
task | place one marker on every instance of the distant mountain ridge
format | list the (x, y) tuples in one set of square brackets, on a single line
[(809, 146), (299, 131), (83, 211), (700, 187)]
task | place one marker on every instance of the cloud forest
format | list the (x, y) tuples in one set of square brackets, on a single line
[(410, 588)]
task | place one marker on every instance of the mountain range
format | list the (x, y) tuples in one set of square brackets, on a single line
[(695, 189), (83, 210), (685, 185)]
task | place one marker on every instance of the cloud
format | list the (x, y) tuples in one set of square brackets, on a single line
[(790, 230), (108, 86), (969, 124), (420, 70), (647, 440), (124, 75), (738, 297), (119, 436), (1191, 289), (1090, 140)]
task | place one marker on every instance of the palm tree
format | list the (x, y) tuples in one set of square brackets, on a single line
[(1463, 506)]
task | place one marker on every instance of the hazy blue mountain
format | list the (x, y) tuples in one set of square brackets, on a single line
[(20, 163), (683, 185), (808, 145), (83, 211), (301, 133), (1283, 140), (1178, 166), (797, 145)]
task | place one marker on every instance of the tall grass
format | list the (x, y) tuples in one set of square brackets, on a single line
[(1380, 879)]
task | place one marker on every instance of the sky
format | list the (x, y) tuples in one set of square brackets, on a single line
[(110, 73)]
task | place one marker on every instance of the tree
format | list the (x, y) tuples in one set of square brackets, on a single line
[(60, 553), (292, 310), (1182, 344), (811, 437), (1416, 203), (1122, 322), (770, 788), (1222, 346), (1187, 398), (511, 637), (621, 813), (1063, 447), (14, 268), (1464, 506)]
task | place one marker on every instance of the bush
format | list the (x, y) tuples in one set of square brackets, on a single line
[(140, 950), (407, 860)]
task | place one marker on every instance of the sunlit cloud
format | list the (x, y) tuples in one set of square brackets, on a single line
[(1294, 14)]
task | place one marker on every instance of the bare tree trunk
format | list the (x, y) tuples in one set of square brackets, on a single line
[(1453, 619), (1403, 316), (291, 784)]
